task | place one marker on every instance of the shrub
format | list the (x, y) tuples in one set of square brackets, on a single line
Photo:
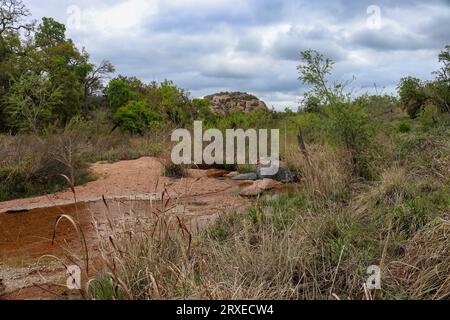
[(348, 127), (412, 95), (137, 118), (172, 103), (30, 103), (172, 170), (33, 166), (119, 93), (203, 111), (428, 116), (403, 127)]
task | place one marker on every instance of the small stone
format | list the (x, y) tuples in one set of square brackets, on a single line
[(246, 176), (232, 174), (258, 187), (283, 175), (267, 184), (251, 191)]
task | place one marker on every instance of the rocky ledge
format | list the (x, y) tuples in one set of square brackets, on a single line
[(226, 102)]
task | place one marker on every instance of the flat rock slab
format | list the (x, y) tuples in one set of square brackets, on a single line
[(258, 187), (267, 184), (251, 191), (283, 175), (232, 174), (216, 173), (246, 176)]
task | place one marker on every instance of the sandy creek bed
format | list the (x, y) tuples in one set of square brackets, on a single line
[(27, 225)]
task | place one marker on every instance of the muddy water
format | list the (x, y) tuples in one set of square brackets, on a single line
[(26, 236)]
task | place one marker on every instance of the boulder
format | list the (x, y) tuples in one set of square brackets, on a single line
[(258, 187), (232, 174), (251, 191), (284, 174), (246, 176), (267, 184), (226, 102)]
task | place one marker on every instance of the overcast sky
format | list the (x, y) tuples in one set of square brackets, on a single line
[(207, 46)]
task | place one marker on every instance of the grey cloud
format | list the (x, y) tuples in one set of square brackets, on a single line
[(387, 39), (223, 47), (288, 46)]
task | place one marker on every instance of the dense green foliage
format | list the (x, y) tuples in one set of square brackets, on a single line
[(416, 95), (44, 77), (136, 117), (30, 103)]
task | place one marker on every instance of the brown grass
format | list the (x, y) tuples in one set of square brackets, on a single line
[(327, 171)]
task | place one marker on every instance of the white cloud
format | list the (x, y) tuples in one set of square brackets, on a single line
[(119, 20)]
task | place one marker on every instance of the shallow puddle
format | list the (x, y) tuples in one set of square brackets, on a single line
[(28, 235)]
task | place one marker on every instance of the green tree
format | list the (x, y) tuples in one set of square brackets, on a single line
[(50, 33), (137, 118), (58, 57), (444, 72), (314, 71), (412, 95), (439, 90), (30, 102), (346, 122), (172, 102), (92, 77), (12, 15), (119, 93), (202, 111)]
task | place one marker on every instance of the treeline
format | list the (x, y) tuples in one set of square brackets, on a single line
[(351, 123), (44, 78), (46, 81)]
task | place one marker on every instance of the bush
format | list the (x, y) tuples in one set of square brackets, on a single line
[(403, 127), (203, 111), (119, 93), (33, 166), (428, 116), (348, 127), (172, 170), (30, 103), (137, 118), (172, 103), (412, 95)]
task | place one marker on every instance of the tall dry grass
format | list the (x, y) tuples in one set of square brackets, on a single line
[(424, 271), (324, 171), (287, 247), (33, 165), (316, 244)]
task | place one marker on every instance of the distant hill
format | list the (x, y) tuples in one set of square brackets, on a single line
[(226, 102)]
